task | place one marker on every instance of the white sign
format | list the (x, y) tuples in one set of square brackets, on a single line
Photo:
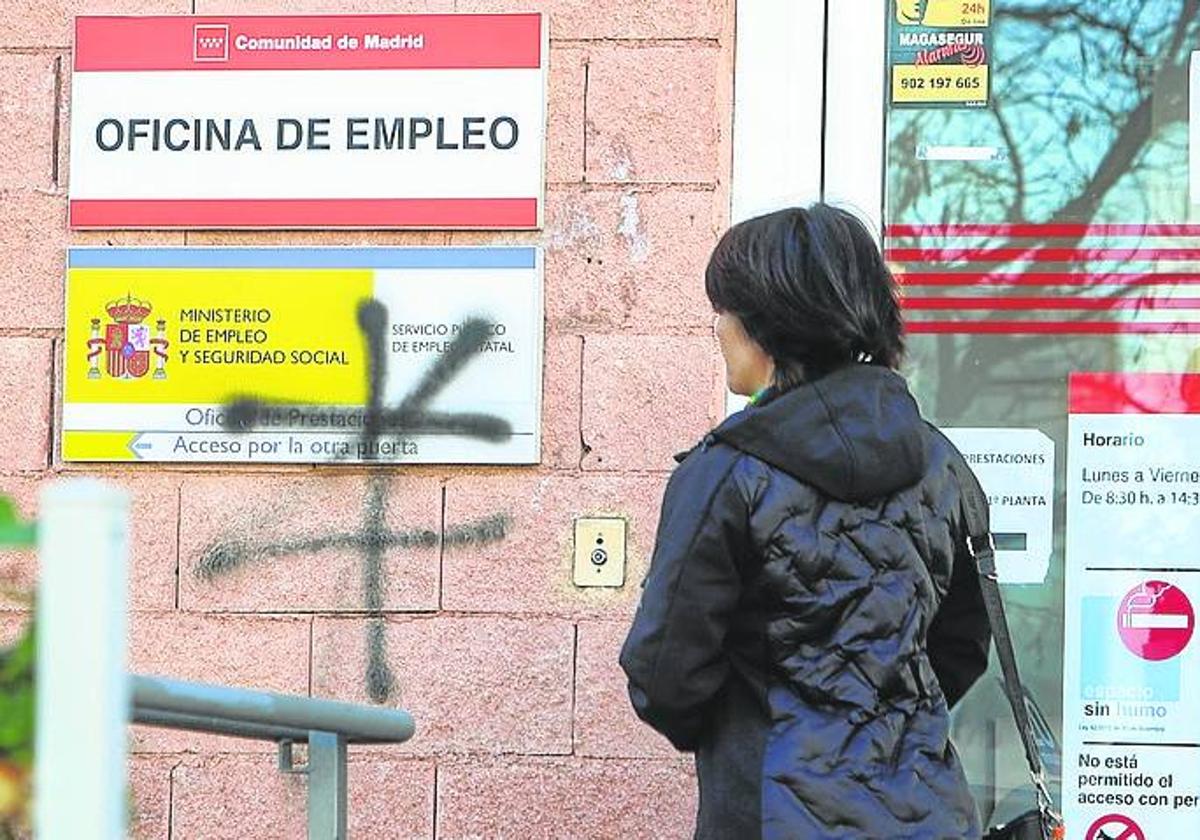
[(303, 355), (1016, 469), (1131, 663), (368, 121)]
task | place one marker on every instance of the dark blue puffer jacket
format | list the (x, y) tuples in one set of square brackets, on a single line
[(809, 615)]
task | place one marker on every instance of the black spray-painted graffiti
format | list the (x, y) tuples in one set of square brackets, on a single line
[(410, 417)]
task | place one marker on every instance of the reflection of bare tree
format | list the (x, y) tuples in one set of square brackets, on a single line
[(1082, 91), (1089, 110), (1066, 76)]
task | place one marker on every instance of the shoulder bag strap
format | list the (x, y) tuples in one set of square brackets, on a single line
[(982, 548)]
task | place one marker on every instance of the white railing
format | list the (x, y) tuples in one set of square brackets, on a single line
[(86, 698)]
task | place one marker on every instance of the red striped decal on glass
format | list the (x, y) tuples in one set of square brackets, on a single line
[(944, 260)]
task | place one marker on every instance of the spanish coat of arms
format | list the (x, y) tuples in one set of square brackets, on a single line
[(127, 344)]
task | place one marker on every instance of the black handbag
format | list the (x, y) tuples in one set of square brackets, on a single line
[(1043, 822), (1029, 826)]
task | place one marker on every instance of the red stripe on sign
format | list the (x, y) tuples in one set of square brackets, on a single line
[(1051, 327), (326, 42), (1039, 303), (950, 278), (1038, 254), (1134, 393), (520, 213), (1044, 230)]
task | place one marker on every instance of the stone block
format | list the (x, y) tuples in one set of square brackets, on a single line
[(473, 684), (549, 799), (300, 542), (630, 259), (622, 19), (51, 23), (153, 537), (646, 398), (562, 376), (238, 797), (154, 522), (27, 130), (26, 379), (323, 7), (32, 226), (153, 526), (653, 115), (605, 724), (530, 571), (150, 792), (259, 653), (234, 797), (391, 798), (564, 116)]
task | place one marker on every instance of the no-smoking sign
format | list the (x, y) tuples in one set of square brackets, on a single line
[(1114, 827), (1156, 620)]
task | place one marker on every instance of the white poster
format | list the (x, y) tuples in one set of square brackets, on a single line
[(1131, 666), (303, 355), (1016, 469), (376, 121)]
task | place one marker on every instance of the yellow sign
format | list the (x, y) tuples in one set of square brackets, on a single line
[(939, 83), (943, 13), (939, 53), (146, 335), (163, 345)]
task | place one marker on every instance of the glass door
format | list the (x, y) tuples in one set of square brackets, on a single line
[(1034, 169)]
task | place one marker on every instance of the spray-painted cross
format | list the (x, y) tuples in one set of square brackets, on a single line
[(410, 416)]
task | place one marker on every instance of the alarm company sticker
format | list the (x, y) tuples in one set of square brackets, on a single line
[(939, 53)]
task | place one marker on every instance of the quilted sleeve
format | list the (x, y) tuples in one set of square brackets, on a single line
[(960, 634), (674, 656)]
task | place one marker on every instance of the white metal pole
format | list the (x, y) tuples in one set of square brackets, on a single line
[(854, 115), (82, 686), (779, 90)]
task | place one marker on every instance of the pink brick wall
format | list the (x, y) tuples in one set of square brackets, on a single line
[(523, 723)]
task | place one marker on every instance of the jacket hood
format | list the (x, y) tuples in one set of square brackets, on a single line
[(855, 434)]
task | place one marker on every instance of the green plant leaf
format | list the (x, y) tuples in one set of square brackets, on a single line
[(14, 533), (18, 700), (17, 662), (16, 721)]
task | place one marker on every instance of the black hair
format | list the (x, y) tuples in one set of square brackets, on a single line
[(811, 288)]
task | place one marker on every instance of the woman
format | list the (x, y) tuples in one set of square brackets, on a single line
[(811, 612)]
